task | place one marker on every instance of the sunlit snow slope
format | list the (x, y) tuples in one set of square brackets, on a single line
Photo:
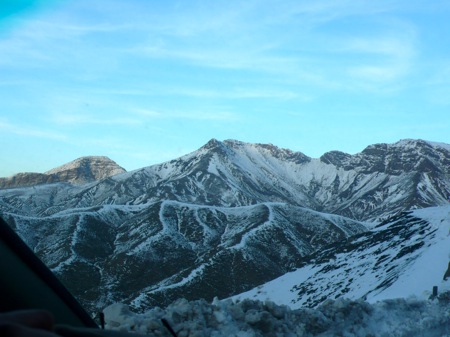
[(405, 256)]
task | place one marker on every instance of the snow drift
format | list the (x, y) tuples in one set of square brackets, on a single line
[(394, 318)]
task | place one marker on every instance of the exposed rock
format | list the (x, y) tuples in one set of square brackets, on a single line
[(80, 171)]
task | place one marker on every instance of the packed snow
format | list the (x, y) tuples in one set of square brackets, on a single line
[(394, 318)]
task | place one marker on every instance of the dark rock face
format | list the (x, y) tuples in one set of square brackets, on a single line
[(80, 171), (336, 158)]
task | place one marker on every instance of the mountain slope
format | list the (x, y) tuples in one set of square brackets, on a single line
[(405, 256), (153, 254)]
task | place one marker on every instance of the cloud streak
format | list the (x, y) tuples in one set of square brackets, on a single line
[(92, 119), (27, 131), (136, 117), (186, 115), (283, 41), (294, 54)]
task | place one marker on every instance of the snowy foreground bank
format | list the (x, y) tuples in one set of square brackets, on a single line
[(400, 317)]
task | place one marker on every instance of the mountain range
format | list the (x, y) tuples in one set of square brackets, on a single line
[(220, 221)]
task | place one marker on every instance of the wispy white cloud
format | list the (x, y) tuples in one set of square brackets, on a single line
[(216, 114), (289, 43), (242, 92), (92, 119), (28, 131), (384, 58), (138, 117), (259, 36)]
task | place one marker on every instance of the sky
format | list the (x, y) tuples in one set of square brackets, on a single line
[(147, 81)]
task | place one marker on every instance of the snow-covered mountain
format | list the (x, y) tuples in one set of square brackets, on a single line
[(382, 180), (404, 256), (219, 221)]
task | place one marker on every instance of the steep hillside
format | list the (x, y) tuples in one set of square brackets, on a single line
[(153, 254), (405, 256)]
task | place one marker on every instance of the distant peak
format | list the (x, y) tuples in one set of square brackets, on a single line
[(234, 141), (79, 171), (212, 144), (213, 141), (88, 161), (87, 169), (421, 142), (401, 144), (409, 142), (337, 158)]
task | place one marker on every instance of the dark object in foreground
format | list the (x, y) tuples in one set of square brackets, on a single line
[(167, 325), (33, 302), (26, 283)]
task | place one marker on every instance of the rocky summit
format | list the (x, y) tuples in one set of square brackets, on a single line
[(219, 221), (80, 171)]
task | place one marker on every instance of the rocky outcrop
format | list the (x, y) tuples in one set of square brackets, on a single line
[(80, 171), (405, 156)]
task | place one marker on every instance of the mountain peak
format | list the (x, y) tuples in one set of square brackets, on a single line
[(79, 171), (416, 143), (212, 143), (87, 169), (409, 144), (337, 158), (265, 149)]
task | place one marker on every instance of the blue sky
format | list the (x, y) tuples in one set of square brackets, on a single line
[(145, 81)]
